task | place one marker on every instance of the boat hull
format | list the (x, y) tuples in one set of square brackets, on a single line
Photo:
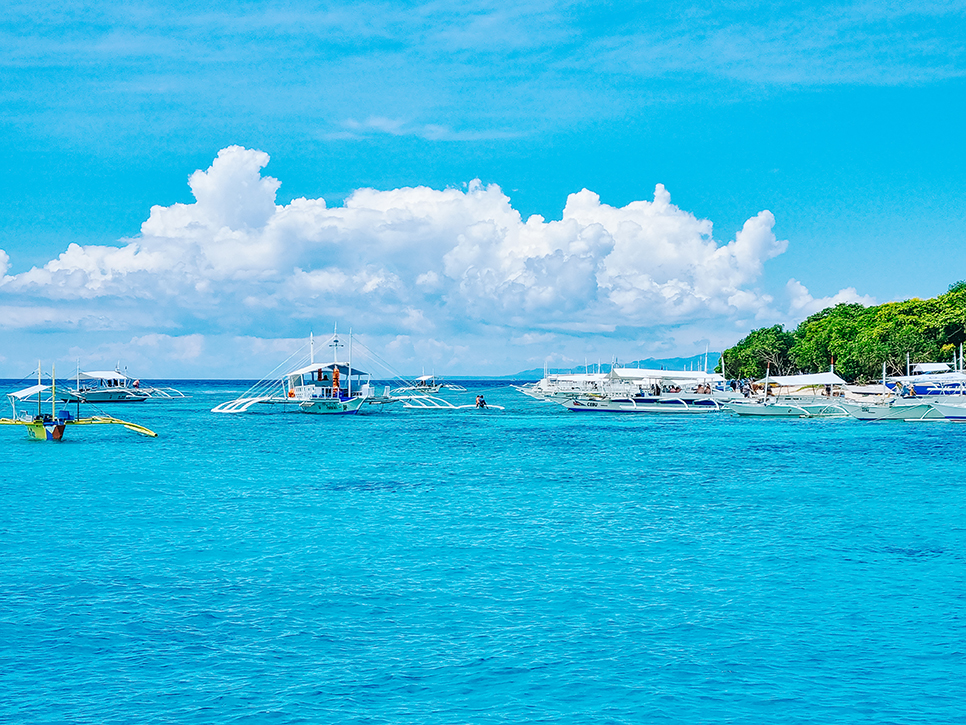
[(788, 410), (949, 411), (45, 431), (112, 396), (332, 406), (678, 406), (902, 411)]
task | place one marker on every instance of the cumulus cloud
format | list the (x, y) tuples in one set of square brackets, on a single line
[(802, 304), (431, 264)]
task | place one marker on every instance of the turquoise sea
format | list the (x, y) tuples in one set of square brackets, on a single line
[(530, 565)]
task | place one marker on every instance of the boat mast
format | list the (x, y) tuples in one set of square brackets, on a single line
[(311, 349), (350, 363), (39, 384), (53, 390)]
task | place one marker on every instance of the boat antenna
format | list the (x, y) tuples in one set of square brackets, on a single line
[(335, 344)]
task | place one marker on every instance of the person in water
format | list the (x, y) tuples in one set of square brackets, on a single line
[(480, 402)]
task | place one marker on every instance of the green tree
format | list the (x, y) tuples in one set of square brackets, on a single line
[(858, 339), (762, 349)]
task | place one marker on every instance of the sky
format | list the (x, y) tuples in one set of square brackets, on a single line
[(189, 189)]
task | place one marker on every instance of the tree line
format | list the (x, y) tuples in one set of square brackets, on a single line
[(858, 339)]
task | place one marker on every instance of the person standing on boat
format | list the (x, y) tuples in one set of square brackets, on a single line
[(335, 382)]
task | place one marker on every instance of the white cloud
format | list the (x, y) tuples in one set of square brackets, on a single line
[(802, 304), (459, 265)]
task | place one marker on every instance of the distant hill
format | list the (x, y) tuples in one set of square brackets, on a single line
[(695, 362)]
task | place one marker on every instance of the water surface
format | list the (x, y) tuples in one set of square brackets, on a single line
[(531, 565)]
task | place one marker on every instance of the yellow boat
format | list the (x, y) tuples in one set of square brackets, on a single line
[(51, 426)]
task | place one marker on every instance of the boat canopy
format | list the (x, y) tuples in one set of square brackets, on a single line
[(641, 374), (934, 378), (343, 369), (63, 393), (101, 375), (803, 380), (920, 368), (426, 377), (27, 392), (576, 377)]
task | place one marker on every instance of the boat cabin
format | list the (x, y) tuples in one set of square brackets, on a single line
[(323, 380), (104, 380)]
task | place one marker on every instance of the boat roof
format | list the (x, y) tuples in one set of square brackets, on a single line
[(426, 377), (641, 373), (806, 379), (576, 377), (101, 375), (27, 392), (343, 369), (941, 377), (63, 393), (931, 368)]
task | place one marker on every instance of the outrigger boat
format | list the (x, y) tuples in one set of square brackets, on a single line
[(909, 409), (428, 385), (902, 402), (334, 388), (633, 390), (113, 386), (630, 390), (51, 426), (796, 405)]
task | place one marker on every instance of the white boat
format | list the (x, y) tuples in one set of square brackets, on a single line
[(895, 409), (631, 390), (113, 386), (627, 388), (563, 386), (796, 404), (949, 411), (680, 403), (334, 388), (108, 386), (428, 385)]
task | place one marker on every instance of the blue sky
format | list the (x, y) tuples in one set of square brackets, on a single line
[(843, 121)]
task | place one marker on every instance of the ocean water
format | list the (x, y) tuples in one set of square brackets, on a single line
[(530, 565)]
